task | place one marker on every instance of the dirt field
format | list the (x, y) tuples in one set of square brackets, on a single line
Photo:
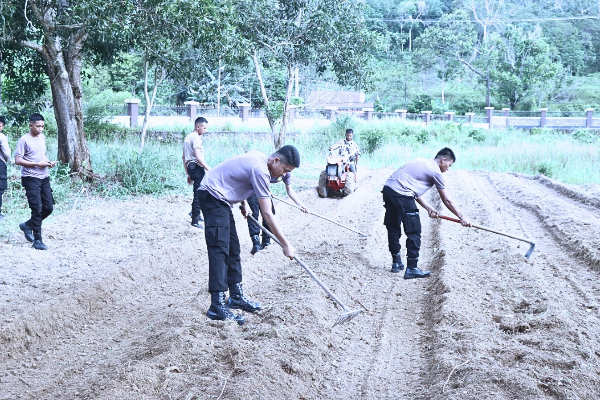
[(115, 308)]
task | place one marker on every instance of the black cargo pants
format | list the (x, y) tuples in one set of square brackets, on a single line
[(41, 202), (3, 181), (222, 243), (196, 173), (402, 210)]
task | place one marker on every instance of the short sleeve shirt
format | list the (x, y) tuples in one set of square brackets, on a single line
[(346, 148), (286, 178), (238, 178), (416, 177), (192, 141), (32, 149), (4, 148)]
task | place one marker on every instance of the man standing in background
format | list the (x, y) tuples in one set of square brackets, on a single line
[(30, 154), (194, 164), (4, 160)]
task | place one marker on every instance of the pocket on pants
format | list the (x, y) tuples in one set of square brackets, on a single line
[(413, 222)]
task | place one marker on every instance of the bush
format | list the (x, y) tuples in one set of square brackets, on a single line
[(140, 173), (462, 105), (422, 102), (585, 135), (477, 135), (372, 139)]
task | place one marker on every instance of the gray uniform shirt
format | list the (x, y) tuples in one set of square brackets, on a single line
[(191, 142), (4, 149), (237, 178), (33, 149), (416, 177)]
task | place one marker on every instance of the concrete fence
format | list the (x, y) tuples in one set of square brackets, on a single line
[(493, 119)]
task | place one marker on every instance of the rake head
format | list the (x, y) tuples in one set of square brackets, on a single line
[(530, 250), (347, 316)]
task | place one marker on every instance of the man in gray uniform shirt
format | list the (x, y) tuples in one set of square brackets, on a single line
[(30, 154), (231, 182), (402, 188)]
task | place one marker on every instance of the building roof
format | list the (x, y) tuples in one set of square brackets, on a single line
[(337, 99)]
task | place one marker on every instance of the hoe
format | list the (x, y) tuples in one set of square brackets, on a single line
[(348, 312), (499, 233), (320, 216)]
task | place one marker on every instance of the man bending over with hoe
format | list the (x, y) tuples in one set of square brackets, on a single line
[(229, 183), (400, 191)]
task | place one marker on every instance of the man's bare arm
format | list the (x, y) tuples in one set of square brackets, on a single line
[(265, 209), (292, 194), (200, 159), (450, 205)]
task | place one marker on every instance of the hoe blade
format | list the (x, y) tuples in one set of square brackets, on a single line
[(347, 316), (530, 250)]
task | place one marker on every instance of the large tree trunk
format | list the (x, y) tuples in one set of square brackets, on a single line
[(286, 105), (64, 72)]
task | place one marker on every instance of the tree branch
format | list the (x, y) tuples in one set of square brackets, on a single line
[(471, 67)]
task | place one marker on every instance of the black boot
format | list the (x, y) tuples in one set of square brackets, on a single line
[(37, 242), (266, 240), (256, 247), (412, 271), (27, 231), (397, 265), (239, 301), (219, 311)]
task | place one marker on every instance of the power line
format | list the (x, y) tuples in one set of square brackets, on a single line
[(443, 21)]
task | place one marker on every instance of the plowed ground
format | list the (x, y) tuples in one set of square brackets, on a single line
[(115, 308)]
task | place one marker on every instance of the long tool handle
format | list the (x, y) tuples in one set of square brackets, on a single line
[(310, 272), (320, 216), (487, 229)]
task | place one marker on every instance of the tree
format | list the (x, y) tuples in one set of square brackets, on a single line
[(328, 34), (168, 34), (61, 32), (441, 46), (526, 62)]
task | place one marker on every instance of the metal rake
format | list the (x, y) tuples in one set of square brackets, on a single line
[(348, 313)]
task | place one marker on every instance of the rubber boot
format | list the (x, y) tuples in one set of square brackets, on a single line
[(239, 301), (412, 271), (37, 242), (256, 247), (219, 311), (266, 240), (397, 265)]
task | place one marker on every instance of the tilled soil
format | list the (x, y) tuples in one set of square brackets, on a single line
[(115, 308)]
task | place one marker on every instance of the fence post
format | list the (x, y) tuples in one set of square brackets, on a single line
[(426, 117), (449, 116), (291, 114), (191, 109), (244, 111), (133, 111), (589, 114), (402, 114), (543, 117), (331, 111), (505, 112), (368, 113), (470, 116), (488, 114)]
